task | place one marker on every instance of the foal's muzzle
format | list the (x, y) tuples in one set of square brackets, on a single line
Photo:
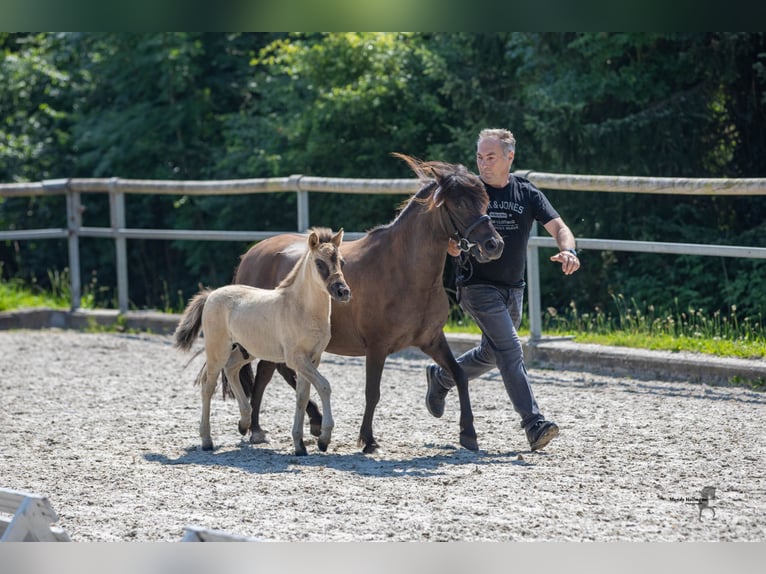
[(340, 291)]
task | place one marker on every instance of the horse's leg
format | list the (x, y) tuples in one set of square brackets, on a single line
[(440, 352), (315, 418), (322, 385), (232, 368), (374, 363), (263, 374)]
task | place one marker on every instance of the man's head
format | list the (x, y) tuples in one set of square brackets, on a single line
[(495, 149)]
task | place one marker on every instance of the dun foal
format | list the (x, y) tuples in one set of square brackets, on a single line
[(289, 324)]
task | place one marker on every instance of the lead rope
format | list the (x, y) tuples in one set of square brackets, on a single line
[(463, 261), (463, 272)]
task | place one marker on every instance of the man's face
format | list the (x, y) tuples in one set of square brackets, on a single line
[(494, 165)]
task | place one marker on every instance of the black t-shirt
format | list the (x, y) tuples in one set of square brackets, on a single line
[(512, 209)]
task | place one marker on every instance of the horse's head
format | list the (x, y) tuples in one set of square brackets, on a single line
[(325, 250), (462, 201)]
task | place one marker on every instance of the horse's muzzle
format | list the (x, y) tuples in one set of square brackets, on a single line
[(489, 250)]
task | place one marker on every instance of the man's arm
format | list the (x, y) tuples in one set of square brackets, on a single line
[(567, 244)]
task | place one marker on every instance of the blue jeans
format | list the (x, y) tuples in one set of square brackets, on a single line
[(497, 312)]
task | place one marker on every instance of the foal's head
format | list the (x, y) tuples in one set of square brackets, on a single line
[(462, 200), (324, 249)]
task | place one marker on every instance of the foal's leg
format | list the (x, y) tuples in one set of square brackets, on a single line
[(315, 418), (301, 399), (216, 356), (233, 365), (310, 373), (440, 352), (208, 379), (263, 374)]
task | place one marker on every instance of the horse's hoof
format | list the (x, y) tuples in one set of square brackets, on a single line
[(469, 442), (258, 437), (316, 428), (207, 445), (322, 445), (242, 429), (370, 448)]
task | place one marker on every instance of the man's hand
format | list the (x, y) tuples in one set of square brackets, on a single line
[(569, 261)]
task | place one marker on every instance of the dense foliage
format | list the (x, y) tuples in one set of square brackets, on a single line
[(218, 106)]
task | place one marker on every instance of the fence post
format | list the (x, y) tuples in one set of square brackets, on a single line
[(303, 202), (117, 221), (74, 222), (533, 288)]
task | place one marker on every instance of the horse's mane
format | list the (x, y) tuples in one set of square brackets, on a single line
[(453, 180)]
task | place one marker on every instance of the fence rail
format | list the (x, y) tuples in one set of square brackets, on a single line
[(301, 185)]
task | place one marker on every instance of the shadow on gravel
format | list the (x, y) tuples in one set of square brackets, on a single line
[(260, 460), (693, 390), (712, 393)]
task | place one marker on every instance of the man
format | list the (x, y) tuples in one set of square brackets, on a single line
[(493, 293)]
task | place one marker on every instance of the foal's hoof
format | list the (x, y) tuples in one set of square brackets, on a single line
[(469, 442), (370, 448), (300, 450), (207, 445), (243, 428), (322, 445)]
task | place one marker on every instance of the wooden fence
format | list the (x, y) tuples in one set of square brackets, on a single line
[(301, 185)]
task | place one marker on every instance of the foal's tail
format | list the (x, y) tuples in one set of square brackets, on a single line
[(191, 322)]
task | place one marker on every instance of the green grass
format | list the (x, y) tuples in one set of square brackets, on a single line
[(14, 295), (719, 347), (742, 348), (646, 327)]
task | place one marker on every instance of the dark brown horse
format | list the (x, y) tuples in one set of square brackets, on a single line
[(395, 272)]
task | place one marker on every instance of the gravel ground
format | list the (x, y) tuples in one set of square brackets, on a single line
[(105, 425)]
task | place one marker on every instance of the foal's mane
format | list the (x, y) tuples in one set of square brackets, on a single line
[(325, 235)]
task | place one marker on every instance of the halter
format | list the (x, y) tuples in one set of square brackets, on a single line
[(463, 240)]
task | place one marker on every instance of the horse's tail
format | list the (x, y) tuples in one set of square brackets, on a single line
[(191, 322)]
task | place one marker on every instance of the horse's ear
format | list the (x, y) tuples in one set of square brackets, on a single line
[(313, 240), (337, 239)]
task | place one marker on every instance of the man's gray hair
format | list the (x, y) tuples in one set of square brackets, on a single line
[(505, 137)]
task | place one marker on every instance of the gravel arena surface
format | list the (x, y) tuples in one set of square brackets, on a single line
[(106, 426)]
